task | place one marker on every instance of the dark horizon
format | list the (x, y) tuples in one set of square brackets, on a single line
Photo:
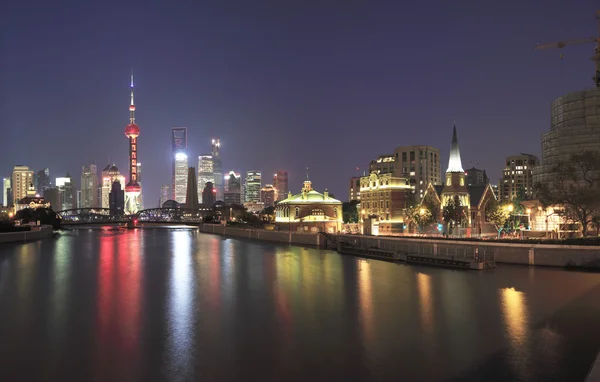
[(284, 86)]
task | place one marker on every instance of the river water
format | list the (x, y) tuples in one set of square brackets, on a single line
[(179, 305)]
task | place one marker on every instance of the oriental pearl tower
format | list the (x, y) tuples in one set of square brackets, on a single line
[(133, 189)]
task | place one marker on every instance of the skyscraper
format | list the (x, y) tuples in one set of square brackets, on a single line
[(180, 163), (164, 194), (110, 174), (5, 188), (209, 194), (116, 199), (21, 179), (66, 193), (217, 168), (233, 188), (420, 164), (191, 195), (132, 131), (280, 182), (253, 185), (517, 178), (205, 172), (89, 186), (140, 198), (268, 195), (43, 180)]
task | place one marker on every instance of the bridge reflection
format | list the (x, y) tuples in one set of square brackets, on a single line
[(78, 216)]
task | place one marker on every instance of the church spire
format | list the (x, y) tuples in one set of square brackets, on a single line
[(454, 163)]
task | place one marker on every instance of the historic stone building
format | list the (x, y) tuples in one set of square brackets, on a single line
[(309, 211), (473, 199), (383, 197)]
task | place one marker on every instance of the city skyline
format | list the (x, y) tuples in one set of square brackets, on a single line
[(495, 117)]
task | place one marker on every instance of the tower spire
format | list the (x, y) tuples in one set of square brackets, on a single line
[(454, 162), (132, 104)]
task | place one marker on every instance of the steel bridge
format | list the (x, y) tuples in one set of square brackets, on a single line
[(80, 216)]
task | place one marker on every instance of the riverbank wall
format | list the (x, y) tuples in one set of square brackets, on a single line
[(36, 233), (508, 253)]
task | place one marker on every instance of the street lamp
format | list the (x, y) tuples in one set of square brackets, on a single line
[(422, 211)]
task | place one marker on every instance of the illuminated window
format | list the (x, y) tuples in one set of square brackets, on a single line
[(448, 181)]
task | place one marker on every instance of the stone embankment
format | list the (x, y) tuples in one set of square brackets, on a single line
[(36, 233), (508, 253)]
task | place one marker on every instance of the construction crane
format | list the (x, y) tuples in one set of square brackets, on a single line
[(595, 58)]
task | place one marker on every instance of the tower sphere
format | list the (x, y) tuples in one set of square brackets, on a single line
[(132, 130)]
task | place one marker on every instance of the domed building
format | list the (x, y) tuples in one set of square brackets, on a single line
[(309, 211)]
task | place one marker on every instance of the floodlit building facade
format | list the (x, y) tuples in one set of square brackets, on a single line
[(309, 211), (66, 192), (383, 198), (21, 180), (5, 192)]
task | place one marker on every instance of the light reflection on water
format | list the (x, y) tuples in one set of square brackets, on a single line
[(179, 305)]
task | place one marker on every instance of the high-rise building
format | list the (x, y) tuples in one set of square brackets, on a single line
[(180, 163), (21, 179), (116, 199), (280, 182), (89, 186), (217, 169), (205, 172), (132, 131), (517, 178), (476, 177), (66, 193), (5, 188), (52, 196), (42, 181), (110, 174), (233, 188), (191, 195), (420, 164), (253, 186), (354, 193), (209, 194), (384, 164), (574, 128), (164, 194), (268, 195)]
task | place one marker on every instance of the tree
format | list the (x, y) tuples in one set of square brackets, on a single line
[(422, 214), (576, 188), (350, 211), (498, 214), (453, 213), (43, 215)]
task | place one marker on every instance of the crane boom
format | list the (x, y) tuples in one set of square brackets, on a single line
[(562, 44), (595, 58)]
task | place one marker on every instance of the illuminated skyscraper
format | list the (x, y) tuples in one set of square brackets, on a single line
[(180, 163), (233, 188), (253, 185), (280, 182), (110, 174), (42, 180), (164, 194), (5, 188), (133, 189), (21, 179), (217, 169), (89, 186), (66, 193), (205, 172)]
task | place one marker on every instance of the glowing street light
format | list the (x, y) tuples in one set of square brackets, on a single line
[(510, 208), (422, 211)]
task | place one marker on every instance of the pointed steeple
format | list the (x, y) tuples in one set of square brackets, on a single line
[(454, 163)]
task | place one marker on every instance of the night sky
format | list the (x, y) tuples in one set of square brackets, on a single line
[(327, 85)]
